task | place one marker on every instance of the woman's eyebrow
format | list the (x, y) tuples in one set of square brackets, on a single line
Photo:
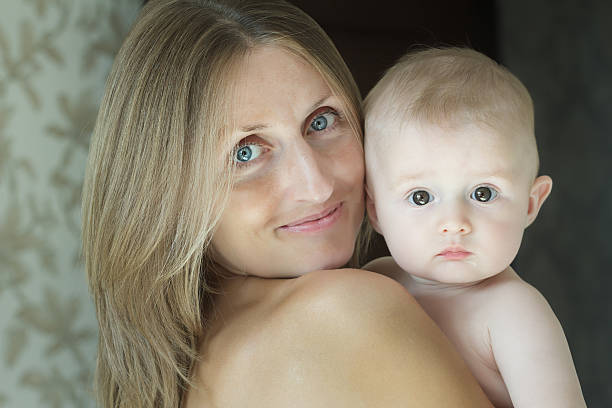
[(319, 102), (259, 126), (315, 106), (252, 128)]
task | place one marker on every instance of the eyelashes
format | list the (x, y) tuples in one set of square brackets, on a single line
[(419, 198), (482, 194), (252, 148), (323, 120), (246, 152)]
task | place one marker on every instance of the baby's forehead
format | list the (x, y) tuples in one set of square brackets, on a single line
[(456, 146), (389, 133)]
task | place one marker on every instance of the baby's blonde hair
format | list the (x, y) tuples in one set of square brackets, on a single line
[(449, 87), (159, 175)]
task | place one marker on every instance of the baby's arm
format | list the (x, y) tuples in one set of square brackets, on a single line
[(531, 351)]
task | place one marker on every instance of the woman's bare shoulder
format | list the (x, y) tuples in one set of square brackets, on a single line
[(341, 290), (347, 338)]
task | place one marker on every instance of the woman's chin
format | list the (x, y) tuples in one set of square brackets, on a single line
[(336, 260)]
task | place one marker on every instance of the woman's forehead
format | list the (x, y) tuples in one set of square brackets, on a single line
[(275, 71), (272, 84)]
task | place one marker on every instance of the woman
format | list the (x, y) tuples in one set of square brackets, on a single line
[(226, 158)]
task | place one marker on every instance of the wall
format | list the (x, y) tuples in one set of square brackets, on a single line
[(54, 57), (563, 55)]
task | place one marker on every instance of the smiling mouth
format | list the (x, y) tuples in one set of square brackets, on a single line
[(315, 222)]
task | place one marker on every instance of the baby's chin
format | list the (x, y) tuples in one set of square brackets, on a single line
[(455, 274)]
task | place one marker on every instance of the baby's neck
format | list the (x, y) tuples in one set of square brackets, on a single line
[(432, 285)]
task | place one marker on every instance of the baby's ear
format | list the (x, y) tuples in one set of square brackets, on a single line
[(371, 208), (539, 192)]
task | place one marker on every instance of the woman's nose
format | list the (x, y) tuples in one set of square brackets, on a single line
[(308, 176)]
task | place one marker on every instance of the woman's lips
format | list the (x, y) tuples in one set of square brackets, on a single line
[(454, 254), (315, 222)]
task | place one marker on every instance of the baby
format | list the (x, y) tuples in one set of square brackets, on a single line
[(452, 183)]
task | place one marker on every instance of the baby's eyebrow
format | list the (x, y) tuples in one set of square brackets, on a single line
[(503, 174), (407, 178), (401, 181)]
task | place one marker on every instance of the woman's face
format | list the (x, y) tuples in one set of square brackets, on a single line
[(298, 200)]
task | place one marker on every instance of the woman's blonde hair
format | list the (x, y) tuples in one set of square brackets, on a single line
[(158, 177)]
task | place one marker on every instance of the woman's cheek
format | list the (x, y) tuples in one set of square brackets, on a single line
[(349, 157)]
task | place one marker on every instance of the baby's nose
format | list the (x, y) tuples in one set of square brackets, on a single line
[(457, 225)]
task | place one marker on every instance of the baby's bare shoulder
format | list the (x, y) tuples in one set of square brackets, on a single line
[(512, 299), (507, 286)]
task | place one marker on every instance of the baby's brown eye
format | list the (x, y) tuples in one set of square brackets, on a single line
[(420, 198), (484, 194)]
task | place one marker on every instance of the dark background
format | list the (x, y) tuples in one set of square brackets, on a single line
[(562, 53)]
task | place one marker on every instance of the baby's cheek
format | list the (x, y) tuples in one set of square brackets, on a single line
[(505, 240), (406, 242)]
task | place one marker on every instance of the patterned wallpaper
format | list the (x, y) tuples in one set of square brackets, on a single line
[(54, 57)]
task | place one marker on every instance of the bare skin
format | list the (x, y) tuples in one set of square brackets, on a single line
[(507, 334), (341, 338), (289, 330), (452, 253)]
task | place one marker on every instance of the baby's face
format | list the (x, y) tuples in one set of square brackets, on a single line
[(452, 204)]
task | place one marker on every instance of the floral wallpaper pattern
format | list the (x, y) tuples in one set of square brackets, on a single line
[(54, 58)]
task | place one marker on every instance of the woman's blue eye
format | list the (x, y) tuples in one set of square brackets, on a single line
[(322, 121), (484, 194), (420, 198), (246, 153)]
